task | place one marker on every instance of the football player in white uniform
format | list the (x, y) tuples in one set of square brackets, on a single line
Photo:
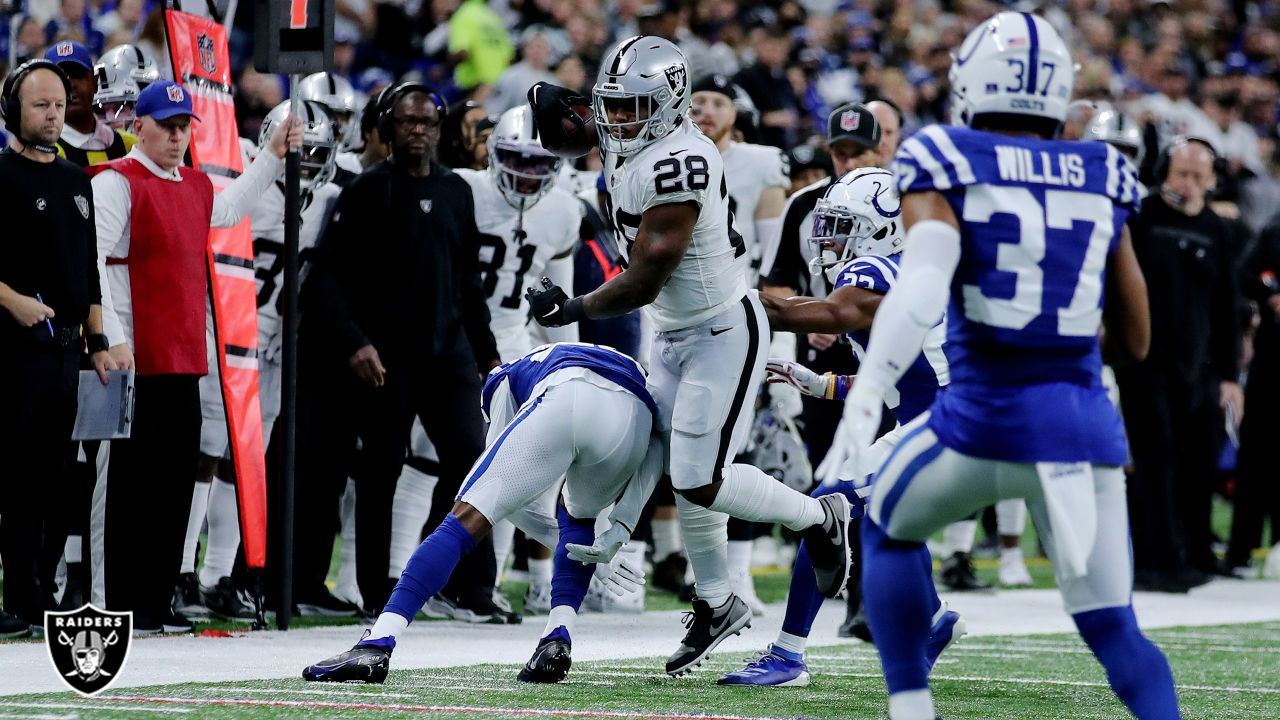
[(686, 266), (215, 492), (529, 228), (344, 106)]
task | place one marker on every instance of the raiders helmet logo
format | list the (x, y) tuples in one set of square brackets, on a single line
[(850, 120), (83, 206), (65, 49), (175, 93), (88, 647), (677, 78)]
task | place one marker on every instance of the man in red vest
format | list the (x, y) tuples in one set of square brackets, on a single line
[(153, 220)]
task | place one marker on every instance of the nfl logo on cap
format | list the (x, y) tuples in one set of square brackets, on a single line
[(849, 120), (65, 49), (175, 93)]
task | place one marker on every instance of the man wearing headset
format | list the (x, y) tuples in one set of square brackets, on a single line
[(1173, 401), (395, 325), (48, 292)]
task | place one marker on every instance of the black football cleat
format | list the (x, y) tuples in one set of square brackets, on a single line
[(958, 574), (366, 662), (708, 627), (828, 545), (551, 659)]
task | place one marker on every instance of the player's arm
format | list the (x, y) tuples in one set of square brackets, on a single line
[(661, 243), (847, 309), (1126, 314)]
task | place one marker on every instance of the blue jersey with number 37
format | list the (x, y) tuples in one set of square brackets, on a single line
[(1038, 220)]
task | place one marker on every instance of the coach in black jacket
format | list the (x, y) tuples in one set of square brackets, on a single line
[(394, 326)]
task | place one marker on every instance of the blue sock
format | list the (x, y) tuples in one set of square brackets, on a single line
[(1138, 672), (560, 633), (570, 578), (785, 653), (926, 562), (429, 567), (901, 600), (803, 599)]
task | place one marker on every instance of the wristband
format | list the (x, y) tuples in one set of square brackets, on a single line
[(837, 386), (574, 310), (97, 343)]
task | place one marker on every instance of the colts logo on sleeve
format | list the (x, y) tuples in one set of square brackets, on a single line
[(88, 647)]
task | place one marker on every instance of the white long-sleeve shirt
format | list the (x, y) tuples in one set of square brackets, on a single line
[(113, 206)]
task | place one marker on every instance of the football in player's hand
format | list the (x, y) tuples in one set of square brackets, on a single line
[(565, 121)]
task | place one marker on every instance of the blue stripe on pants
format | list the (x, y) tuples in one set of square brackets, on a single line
[(493, 449), (908, 473)]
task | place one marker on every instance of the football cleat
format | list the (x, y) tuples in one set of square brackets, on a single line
[(223, 600), (828, 545), (551, 659), (708, 627), (957, 573), (187, 598), (948, 627), (537, 600), (1013, 570), (768, 669), (744, 586), (367, 662)]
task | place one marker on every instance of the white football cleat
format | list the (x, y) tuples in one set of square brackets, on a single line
[(1013, 570)]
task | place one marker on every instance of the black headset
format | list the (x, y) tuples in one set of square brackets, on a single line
[(391, 95), (11, 104), (1161, 169)]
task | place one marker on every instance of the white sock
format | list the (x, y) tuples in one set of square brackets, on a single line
[(1011, 517), (503, 540), (666, 538), (388, 624), (224, 533), (958, 536), (195, 523), (705, 538), (560, 616), (791, 643), (1011, 556), (911, 705), (347, 553), (539, 572), (748, 493), (740, 556), (409, 512)]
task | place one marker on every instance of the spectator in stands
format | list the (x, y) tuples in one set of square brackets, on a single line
[(479, 46), (1173, 400), (534, 67), (126, 17), (73, 22), (766, 82)]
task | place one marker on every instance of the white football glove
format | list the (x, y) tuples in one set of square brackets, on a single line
[(793, 374), (624, 577), (604, 548), (858, 426)]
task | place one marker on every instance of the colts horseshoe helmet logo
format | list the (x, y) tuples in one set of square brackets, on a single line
[(88, 647)]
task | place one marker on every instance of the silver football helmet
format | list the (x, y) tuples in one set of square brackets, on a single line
[(1117, 129), (777, 449), (319, 143), (340, 100), (522, 169), (122, 73), (857, 215), (644, 83)]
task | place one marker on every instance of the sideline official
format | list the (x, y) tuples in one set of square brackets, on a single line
[(153, 220), (395, 325), (49, 290)]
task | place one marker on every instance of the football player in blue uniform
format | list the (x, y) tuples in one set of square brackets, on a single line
[(1015, 236), (569, 410), (858, 240)]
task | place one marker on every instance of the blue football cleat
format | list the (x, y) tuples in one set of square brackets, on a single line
[(770, 670), (367, 662), (948, 628)]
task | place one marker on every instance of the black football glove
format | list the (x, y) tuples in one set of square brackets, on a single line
[(565, 122), (552, 307)]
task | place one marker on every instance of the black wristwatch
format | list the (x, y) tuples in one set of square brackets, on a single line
[(97, 343)]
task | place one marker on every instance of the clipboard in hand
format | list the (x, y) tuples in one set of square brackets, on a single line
[(105, 411)]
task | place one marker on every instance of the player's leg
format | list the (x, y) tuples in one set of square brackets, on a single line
[(213, 445), (1011, 520), (1100, 601), (525, 457), (920, 489)]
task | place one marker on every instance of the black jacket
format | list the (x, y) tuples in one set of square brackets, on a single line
[(397, 268)]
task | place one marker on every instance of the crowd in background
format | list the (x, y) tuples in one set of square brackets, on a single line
[(1204, 68)]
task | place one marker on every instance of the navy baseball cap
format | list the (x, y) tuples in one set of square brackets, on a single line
[(162, 100), (67, 51)]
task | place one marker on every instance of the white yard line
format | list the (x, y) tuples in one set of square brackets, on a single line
[(269, 655)]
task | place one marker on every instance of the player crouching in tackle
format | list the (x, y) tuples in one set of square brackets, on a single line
[(858, 237), (568, 410)]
